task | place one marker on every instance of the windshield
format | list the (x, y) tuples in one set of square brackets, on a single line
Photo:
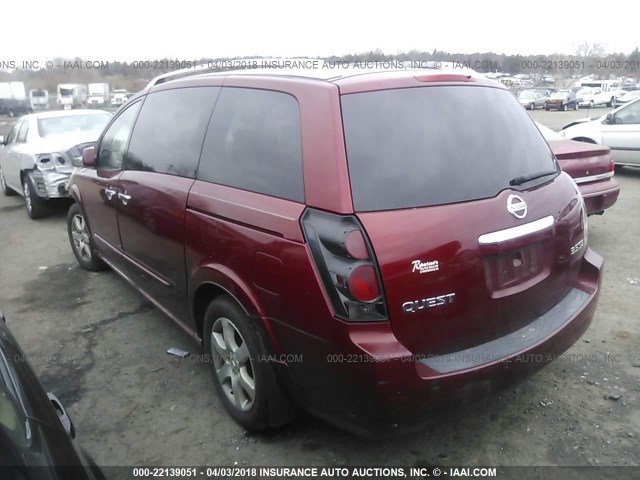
[(417, 147), (38, 93), (72, 124), (559, 95)]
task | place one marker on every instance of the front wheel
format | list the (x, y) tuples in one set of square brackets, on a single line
[(36, 206), (81, 242), (244, 379)]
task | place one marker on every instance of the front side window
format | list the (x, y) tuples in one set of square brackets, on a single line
[(14, 133), (114, 141), (170, 130), (254, 143)]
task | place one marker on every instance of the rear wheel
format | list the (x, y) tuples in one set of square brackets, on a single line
[(244, 380), (564, 107), (591, 104), (532, 107), (576, 106), (81, 242), (8, 191), (36, 206), (612, 102)]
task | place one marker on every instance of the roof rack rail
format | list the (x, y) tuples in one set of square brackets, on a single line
[(215, 65), (198, 68)]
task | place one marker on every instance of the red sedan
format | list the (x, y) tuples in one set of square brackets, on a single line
[(591, 167)]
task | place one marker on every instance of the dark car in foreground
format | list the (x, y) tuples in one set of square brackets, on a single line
[(14, 106), (337, 242), (562, 100), (590, 165), (36, 433)]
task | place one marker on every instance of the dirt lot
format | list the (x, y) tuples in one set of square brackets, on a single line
[(101, 348)]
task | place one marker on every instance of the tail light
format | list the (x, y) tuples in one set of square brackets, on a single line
[(612, 165), (346, 264)]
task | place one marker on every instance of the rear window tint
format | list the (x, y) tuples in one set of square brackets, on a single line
[(254, 143), (417, 147)]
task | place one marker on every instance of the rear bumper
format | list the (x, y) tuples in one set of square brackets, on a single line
[(377, 386), (598, 196)]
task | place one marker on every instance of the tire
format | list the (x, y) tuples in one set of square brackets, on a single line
[(612, 103), (532, 107), (576, 106), (246, 386), (564, 107), (546, 108), (11, 113), (36, 206), (6, 189), (81, 242), (591, 104)]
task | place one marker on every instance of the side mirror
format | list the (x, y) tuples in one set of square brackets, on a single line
[(89, 157), (2, 140)]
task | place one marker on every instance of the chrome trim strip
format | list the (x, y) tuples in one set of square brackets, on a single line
[(516, 232), (593, 178)]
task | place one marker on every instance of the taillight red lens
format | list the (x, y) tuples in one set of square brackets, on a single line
[(355, 246), (612, 165), (363, 284)]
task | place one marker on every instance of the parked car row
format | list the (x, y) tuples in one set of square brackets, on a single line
[(254, 209)]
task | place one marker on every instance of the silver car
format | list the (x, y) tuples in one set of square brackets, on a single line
[(530, 99), (38, 156)]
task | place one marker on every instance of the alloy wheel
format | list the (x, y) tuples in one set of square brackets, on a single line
[(233, 364), (80, 235), (27, 196)]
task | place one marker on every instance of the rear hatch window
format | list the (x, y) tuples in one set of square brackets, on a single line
[(424, 146)]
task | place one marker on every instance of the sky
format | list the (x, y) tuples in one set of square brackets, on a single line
[(130, 30)]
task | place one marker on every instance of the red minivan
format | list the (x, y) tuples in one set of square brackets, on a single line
[(364, 245)]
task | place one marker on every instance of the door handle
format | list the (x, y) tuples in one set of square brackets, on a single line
[(109, 193), (124, 197)]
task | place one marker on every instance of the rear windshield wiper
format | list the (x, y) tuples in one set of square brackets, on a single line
[(531, 176)]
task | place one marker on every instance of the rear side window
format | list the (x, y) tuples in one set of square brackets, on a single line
[(170, 130), (417, 147), (254, 143), (22, 134)]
